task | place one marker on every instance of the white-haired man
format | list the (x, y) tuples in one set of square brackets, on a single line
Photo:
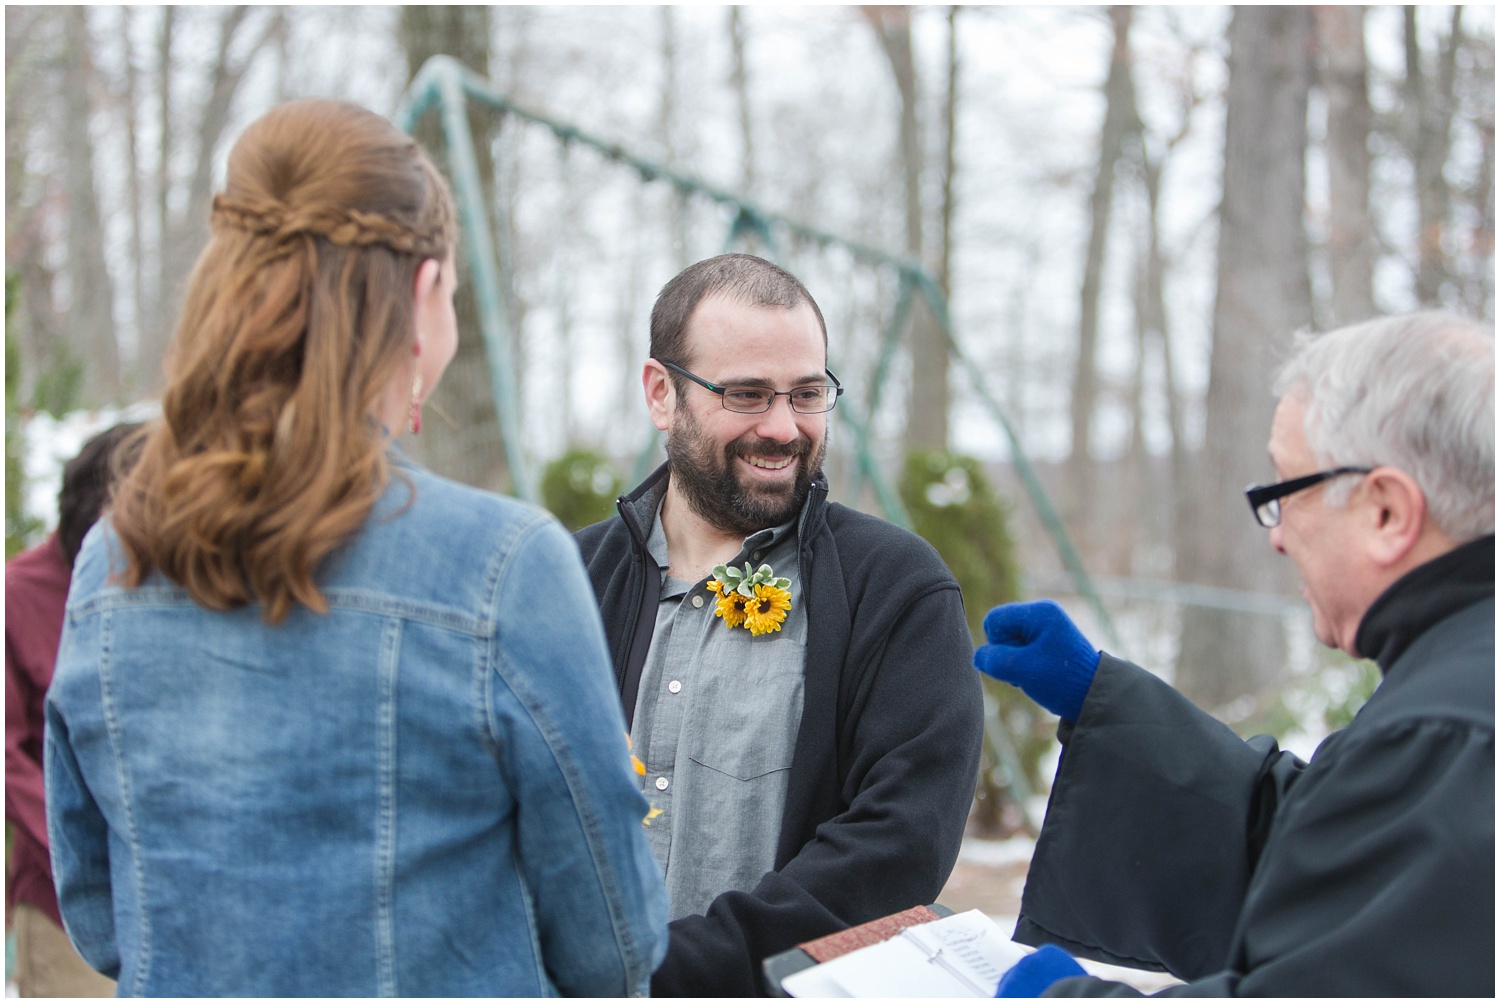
[(1170, 843)]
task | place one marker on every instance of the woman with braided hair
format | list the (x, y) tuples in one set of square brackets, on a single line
[(324, 723)]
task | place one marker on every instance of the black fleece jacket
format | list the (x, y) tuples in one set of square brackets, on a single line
[(883, 771)]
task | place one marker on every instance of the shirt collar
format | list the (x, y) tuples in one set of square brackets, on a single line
[(1422, 597), (761, 540)]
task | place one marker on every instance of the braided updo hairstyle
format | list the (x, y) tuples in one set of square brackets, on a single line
[(299, 313)]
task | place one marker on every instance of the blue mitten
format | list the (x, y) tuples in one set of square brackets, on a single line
[(1035, 973), (1033, 645)]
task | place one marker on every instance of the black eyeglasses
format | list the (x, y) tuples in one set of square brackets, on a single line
[(753, 400), (1265, 499)]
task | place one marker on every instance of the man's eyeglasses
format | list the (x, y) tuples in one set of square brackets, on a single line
[(753, 400), (1265, 499)]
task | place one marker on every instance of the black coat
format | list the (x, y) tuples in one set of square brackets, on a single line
[(883, 770), (1172, 844)]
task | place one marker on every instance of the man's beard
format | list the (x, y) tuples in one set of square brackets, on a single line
[(705, 475)]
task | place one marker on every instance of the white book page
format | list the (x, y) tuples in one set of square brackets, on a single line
[(972, 944), (960, 955)]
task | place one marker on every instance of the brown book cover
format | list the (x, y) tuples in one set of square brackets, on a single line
[(835, 944)]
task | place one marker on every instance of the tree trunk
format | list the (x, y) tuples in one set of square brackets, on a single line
[(1479, 298), (31, 83), (146, 371), (950, 160), (163, 321), (739, 80), (91, 309), (1154, 326), (1429, 111), (1351, 243), (1119, 121), (473, 451), (1263, 296), (677, 211), (927, 409), (225, 82)]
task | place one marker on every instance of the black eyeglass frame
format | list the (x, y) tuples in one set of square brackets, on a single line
[(837, 387), (1264, 495)]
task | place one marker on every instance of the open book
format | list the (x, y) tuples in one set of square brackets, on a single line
[(960, 955)]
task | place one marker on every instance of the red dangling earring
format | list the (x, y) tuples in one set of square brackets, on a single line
[(414, 412)]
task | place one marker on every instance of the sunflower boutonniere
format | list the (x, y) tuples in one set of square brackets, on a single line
[(756, 600)]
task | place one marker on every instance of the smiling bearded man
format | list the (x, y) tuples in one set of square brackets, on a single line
[(707, 480), (795, 673)]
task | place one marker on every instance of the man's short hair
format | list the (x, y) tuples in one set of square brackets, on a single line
[(1415, 392), (744, 277), (86, 483)]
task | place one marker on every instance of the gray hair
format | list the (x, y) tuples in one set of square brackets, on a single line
[(1415, 392)]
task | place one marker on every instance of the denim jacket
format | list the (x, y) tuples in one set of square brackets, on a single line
[(424, 792)]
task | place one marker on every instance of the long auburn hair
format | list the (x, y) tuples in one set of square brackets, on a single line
[(297, 317)]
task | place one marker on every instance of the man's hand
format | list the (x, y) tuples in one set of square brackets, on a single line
[(1034, 646)]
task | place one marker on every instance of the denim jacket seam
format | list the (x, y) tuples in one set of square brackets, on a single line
[(508, 553), (497, 570), (386, 807), (528, 912), (340, 598), (122, 781), (594, 837)]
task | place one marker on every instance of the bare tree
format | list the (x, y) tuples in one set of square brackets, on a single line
[(1478, 294), (472, 451), (158, 333), (927, 412), (1154, 333), (1343, 77), (739, 80), (950, 160), (242, 33), (1263, 296), (213, 120), (128, 100), (668, 129), (90, 290), (1429, 122), (1121, 123), (32, 84)]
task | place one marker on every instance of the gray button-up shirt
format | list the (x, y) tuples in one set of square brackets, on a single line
[(716, 721)]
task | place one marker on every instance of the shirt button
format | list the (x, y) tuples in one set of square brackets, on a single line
[(697, 602), (662, 783), (675, 686), (755, 556)]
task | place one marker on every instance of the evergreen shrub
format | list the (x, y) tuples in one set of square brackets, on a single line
[(580, 488)]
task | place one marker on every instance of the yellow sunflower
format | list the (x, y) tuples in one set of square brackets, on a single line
[(767, 610), (730, 605), (635, 761)]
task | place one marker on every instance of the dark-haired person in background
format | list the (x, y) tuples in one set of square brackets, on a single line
[(36, 593)]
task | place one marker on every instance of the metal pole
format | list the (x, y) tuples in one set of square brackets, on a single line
[(442, 76)]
